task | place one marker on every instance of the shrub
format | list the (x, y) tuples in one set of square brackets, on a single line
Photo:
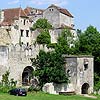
[(7, 84)]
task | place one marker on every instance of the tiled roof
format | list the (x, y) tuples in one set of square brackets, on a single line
[(11, 14), (28, 10), (64, 11), (65, 26)]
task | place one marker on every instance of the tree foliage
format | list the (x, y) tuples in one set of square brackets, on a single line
[(64, 42), (88, 40), (44, 37), (96, 82), (50, 68), (41, 24), (7, 84)]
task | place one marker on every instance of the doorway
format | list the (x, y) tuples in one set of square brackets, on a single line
[(27, 75), (84, 89)]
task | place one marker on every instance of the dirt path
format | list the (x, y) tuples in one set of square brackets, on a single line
[(90, 96)]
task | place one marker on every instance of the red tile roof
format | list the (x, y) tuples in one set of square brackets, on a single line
[(64, 11), (11, 14), (28, 10), (65, 26)]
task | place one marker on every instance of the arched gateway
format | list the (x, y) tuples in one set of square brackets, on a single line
[(27, 75), (84, 89)]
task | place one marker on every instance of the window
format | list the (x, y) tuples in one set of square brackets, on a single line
[(27, 21), (69, 72), (86, 64), (22, 43), (50, 9), (27, 44), (36, 11), (24, 21), (21, 32), (27, 33)]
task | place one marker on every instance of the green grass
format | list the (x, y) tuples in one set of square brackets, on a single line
[(43, 96)]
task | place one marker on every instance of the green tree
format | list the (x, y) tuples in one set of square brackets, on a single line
[(50, 68), (44, 37), (88, 40), (41, 24), (96, 82), (64, 42)]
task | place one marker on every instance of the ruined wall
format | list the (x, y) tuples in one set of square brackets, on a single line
[(81, 77), (15, 59), (81, 70), (85, 73)]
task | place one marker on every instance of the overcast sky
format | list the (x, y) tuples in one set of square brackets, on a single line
[(85, 12)]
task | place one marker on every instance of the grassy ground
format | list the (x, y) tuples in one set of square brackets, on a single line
[(43, 96)]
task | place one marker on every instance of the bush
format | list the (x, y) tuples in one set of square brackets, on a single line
[(34, 89), (7, 84)]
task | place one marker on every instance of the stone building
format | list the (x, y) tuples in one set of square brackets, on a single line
[(16, 47), (16, 58), (17, 23), (81, 73), (59, 18)]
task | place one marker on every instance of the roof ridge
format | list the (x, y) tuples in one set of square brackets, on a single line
[(11, 8), (66, 12), (21, 11)]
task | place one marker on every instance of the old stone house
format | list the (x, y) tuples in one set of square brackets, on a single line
[(17, 24), (59, 18), (16, 46)]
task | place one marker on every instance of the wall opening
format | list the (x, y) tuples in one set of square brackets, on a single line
[(84, 89), (27, 75)]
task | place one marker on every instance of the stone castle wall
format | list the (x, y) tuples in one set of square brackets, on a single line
[(17, 59)]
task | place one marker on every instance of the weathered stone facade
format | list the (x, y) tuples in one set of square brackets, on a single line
[(80, 70), (16, 59)]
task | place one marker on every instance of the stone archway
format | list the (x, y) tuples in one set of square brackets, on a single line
[(27, 75), (84, 89)]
